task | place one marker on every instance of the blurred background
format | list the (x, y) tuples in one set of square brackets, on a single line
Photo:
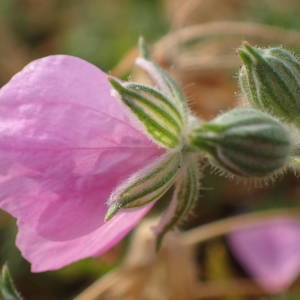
[(195, 40)]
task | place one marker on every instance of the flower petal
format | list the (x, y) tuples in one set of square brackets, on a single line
[(46, 255), (270, 251), (65, 143)]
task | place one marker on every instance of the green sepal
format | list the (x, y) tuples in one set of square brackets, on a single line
[(160, 99), (145, 186), (185, 195), (162, 79), (245, 142), (7, 287), (159, 123), (270, 79)]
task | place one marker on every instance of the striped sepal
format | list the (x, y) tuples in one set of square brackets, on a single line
[(162, 79), (270, 79), (184, 197), (158, 115), (147, 185), (245, 142), (157, 98)]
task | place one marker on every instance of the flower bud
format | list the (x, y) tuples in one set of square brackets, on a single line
[(245, 142), (270, 79)]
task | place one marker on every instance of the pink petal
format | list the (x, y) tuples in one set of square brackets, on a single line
[(270, 252), (48, 255), (65, 143)]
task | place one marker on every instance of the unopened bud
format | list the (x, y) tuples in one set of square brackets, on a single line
[(245, 142), (270, 79)]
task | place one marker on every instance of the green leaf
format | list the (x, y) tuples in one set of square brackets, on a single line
[(7, 287), (184, 197), (147, 185)]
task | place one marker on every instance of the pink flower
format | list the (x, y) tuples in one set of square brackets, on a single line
[(269, 251), (65, 144)]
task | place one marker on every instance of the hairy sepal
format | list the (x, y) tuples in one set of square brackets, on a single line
[(153, 111), (184, 197), (159, 99), (162, 79), (245, 142), (147, 185), (270, 79)]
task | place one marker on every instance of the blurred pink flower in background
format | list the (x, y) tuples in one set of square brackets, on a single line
[(65, 144), (269, 251)]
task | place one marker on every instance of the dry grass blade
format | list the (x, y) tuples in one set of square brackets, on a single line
[(189, 12), (178, 44), (225, 226)]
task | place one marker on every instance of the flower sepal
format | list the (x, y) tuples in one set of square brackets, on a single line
[(159, 116), (161, 79), (145, 186), (184, 197), (245, 142), (270, 79)]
